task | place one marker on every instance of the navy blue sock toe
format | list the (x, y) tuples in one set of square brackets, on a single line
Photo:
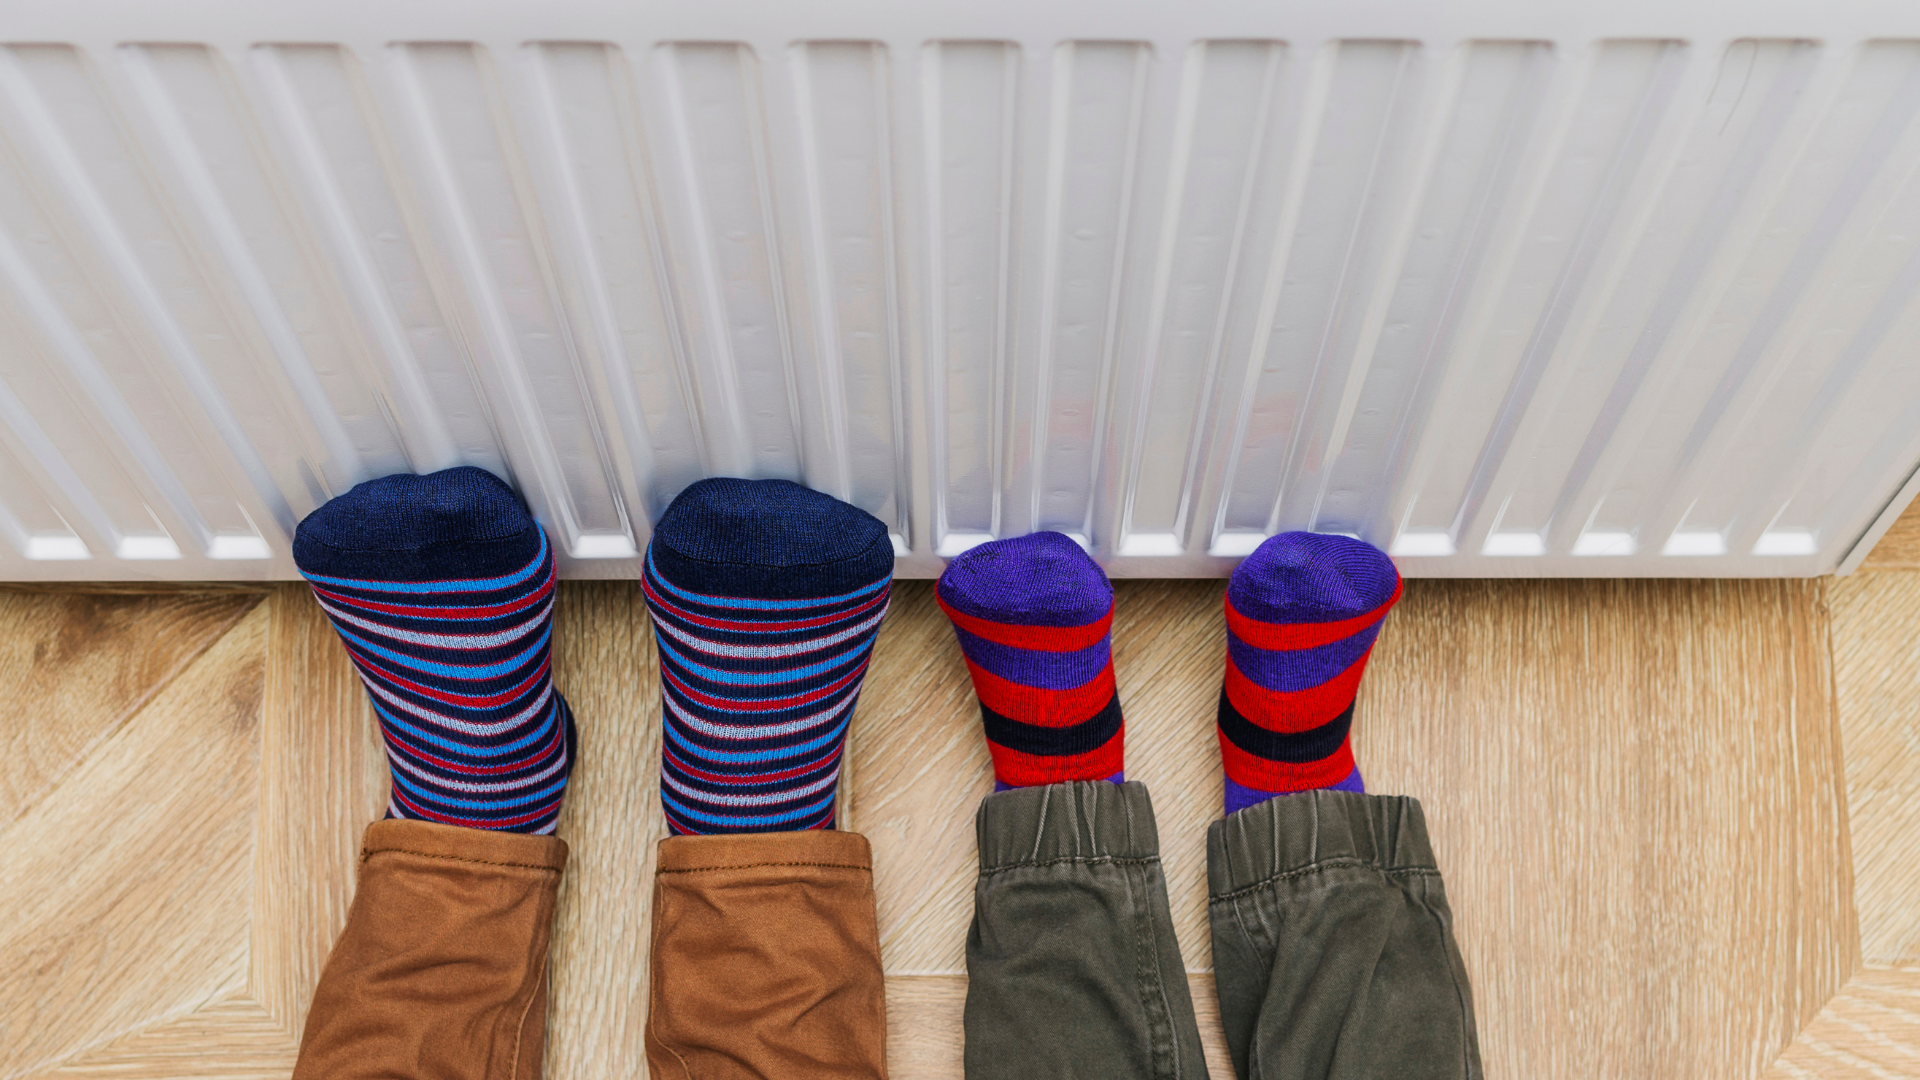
[(771, 539), (461, 522), (441, 587)]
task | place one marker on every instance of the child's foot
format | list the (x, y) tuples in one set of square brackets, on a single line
[(1302, 614), (766, 597), (441, 587), (1034, 616)]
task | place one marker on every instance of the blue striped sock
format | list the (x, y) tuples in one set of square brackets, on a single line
[(766, 598), (441, 587)]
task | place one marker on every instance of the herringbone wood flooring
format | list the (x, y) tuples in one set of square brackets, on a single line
[(1641, 794)]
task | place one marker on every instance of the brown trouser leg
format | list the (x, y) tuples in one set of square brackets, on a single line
[(441, 973), (766, 959)]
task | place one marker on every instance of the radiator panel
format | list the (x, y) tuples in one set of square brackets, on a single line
[(1507, 292)]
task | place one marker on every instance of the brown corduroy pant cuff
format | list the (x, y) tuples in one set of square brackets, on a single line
[(442, 967), (766, 959)]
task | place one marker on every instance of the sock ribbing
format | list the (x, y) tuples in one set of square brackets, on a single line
[(1034, 616), (441, 587), (1303, 612), (766, 598)]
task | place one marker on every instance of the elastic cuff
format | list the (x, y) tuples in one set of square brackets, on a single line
[(1294, 832), (437, 841), (1080, 819), (738, 851)]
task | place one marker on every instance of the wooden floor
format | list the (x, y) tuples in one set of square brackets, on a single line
[(1679, 821)]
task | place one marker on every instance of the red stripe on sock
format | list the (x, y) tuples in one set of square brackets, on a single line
[(1043, 708), (761, 627), (1288, 711), (1043, 638), (1262, 775), (1267, 635), (1031, 770)]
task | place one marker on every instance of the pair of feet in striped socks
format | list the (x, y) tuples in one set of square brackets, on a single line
[(1034, 616), (766, 598)]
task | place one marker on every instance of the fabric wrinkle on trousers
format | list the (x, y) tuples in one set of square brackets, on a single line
[(766, 959), (1333, 944), (441, 971), (1072, 966)]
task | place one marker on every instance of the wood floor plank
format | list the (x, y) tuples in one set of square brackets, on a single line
[(234, 1039), (603, 662), (923, 1026), (1169, 645), (1634, 792), (1876, 656), (126, 886), (1899, 547), (1869, 1031), (75, 666), (1213, 1039), (323, 777), (918, 770)]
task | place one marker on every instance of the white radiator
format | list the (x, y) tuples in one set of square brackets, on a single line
[(1506, 287)]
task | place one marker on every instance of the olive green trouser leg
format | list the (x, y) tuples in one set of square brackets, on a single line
[(1333, 943), (1071, 963)]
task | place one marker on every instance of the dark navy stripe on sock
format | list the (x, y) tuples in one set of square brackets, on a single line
[(1089, 734), (1296, 747)]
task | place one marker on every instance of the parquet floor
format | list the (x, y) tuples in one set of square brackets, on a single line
[(1680, 821)]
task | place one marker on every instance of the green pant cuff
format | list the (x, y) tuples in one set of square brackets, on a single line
[(1293, 833), (1082, 819)]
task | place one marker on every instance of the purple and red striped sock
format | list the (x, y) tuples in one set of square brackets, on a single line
[(1034, 617), (1302, 614)]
